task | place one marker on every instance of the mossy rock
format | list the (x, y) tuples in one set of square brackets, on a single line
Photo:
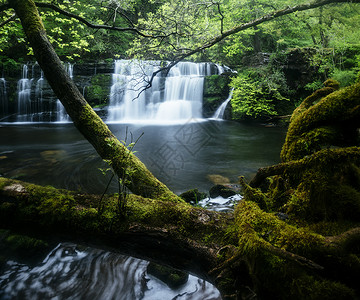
[(99, 90), (22, 247), (216, 85), (193, 196), (171, 277), (221, 190)]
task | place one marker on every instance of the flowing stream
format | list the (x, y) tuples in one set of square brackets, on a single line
[(74, 272)]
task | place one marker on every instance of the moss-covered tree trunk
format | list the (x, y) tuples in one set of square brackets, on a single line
[(251, 254), (85, 119)]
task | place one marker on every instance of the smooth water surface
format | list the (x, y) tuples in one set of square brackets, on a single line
[(182, 156)]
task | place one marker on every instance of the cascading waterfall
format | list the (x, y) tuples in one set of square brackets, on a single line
[(38, 103), (3, 98), (32, 106), (219, 113), (24, 94), (176, 97), (61, 114)]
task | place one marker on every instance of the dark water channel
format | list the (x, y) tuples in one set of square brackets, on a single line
[(182, 156)]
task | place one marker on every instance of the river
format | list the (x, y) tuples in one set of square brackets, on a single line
[(183, 156)]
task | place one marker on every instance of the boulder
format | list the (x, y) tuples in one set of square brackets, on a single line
[(221, 190), (171, 277), (193, 196)]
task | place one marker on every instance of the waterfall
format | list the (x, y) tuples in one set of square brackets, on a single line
[(32, 105), (176, 97), (24, 93), (38, 103), (61, 114), (3, 98), (219, 113)]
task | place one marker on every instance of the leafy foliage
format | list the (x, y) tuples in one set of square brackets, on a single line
[(257, 94)]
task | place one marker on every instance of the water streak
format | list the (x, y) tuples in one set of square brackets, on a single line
[(24, 93), (219, 113), (3, 98), (72, 273)]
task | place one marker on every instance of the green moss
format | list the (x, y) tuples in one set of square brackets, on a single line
[(312, 288), (29, 16), (257, 228), (193, 196), (322, 123), (24, 245), (98, 91), (216, 85), (173, 278)]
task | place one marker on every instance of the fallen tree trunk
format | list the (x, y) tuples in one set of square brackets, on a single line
[(235, 251)]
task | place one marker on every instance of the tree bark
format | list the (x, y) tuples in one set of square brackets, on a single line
[(85, 119), (231, 251)]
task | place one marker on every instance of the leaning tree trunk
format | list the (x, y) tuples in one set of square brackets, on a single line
[(142, 182)]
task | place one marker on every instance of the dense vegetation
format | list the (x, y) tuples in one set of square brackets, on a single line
[(262, 87)]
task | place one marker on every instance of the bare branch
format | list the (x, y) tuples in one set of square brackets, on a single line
[(92, 25), (12, 18), (263, 19)]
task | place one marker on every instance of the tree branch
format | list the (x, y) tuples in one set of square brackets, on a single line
[(12, 18), (242, 27), (92, 25), (263, 19)]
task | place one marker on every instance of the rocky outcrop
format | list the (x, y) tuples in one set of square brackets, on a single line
[(216, 90)]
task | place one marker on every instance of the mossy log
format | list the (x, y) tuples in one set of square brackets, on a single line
[(246, 253), (83, 116), (327, 118)]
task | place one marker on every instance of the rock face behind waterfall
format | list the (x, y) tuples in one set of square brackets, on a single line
[(94, 80), (216, 90)]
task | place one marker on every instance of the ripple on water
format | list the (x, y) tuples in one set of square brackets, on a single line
[(69, 272)]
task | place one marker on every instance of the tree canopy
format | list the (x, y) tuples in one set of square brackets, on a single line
[(170, 30)]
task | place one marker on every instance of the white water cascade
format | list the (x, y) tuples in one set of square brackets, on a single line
[(176, 97), (3, 98), (24, 93), (61, 114), (219, 113)]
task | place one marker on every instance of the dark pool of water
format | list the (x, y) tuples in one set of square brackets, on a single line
[(73, 272), (182, 156)]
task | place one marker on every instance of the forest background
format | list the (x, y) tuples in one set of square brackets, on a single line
[(324, 39)]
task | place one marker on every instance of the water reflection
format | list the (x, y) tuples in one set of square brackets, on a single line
[(72, 272), (182, 156)]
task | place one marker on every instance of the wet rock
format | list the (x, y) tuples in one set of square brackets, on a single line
[(221, 190), (282, 216), (173, 278), (193, 196), (218, 179)]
